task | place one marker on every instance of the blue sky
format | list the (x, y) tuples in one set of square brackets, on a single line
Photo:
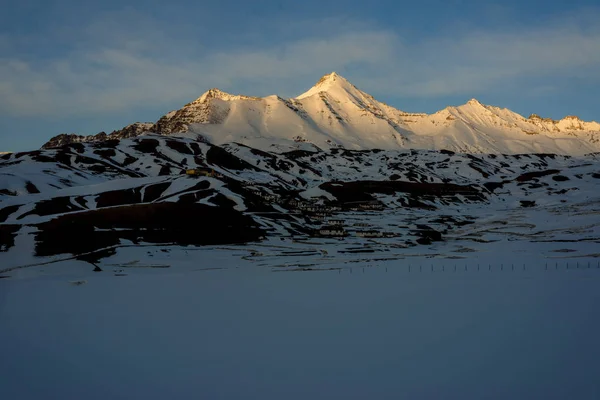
[(73, 66)]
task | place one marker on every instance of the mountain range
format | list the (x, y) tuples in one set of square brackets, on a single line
[(336, 114), (93, 199)]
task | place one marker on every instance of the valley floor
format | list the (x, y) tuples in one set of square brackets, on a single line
[(213, 325), (485, 288), (224, 322)]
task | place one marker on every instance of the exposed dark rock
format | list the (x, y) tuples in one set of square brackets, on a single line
[(424, 241), (7, 211), (64, 139), (76, 147), (110, 143), (133, 130), (153, 192), (179, 147), (129, 160), (218, 156), (362, 190), (154, 223), (428, 235), (477, 167), (536, 174), (146, 145), (295, 154), (31, 188), (195, 149), (106, 153), (119, 197), (527, 203), (492, 186), (8, 233), (164, 170), (57, 205)]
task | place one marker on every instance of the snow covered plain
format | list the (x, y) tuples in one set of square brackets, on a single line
[(310, 318), (503, 306), (217, 324)]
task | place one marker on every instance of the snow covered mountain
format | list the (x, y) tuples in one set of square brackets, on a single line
[(82, 198), (336, 114)]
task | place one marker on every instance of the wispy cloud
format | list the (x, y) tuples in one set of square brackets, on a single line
[(124, 62), (487, 60)]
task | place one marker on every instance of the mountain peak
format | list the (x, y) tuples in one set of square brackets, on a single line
[(327, 83), (215, 93), (329, 78), (472, 105), (474, 102)]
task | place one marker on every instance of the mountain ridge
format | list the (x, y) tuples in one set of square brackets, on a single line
[(335, 113), (85, 197)]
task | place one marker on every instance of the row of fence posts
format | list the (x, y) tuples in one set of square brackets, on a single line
[(547, 266)]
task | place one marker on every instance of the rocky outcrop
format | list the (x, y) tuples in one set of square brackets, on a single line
[(133, 130), (210, 108), (65, 138), (536, 117)]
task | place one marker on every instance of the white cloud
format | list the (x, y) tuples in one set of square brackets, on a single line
[(481, 61), (124, 63), (314, 55)]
